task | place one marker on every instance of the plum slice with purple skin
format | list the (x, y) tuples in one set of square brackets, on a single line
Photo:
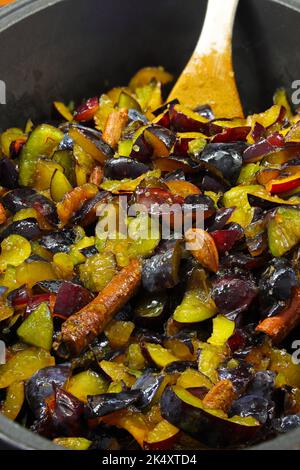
[(252, 405), (106, 403), (233, 293), (186, 411), (225, 239), (17, 199), (245, 262), (9, 174), (71, 298), (240, 375), (226, 158), (221, 218), (124, 167), (27, 228), (148, 385), (161, 271), (86, 215), (40, 386), (257, 151), (275, 286), (59, 241)]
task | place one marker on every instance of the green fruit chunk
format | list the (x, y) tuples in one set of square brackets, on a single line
[(284, 230), (41, 143), (37, 329)]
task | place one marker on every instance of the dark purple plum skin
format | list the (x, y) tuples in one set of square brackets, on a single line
[(87, 213), (16, 199), (40, 386), (106, 403), (209, 429), (252, 405), (71, 298), (124, 167), (8, 173), (226, 158), (275, 286), (160, 272), (59, 241), (27, 228), (240, 376), (148, 384), (233, 294)]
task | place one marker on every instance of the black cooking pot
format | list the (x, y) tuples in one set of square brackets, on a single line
[(71, 49)]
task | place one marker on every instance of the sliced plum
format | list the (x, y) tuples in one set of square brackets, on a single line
[(233, 293), (40, 386)]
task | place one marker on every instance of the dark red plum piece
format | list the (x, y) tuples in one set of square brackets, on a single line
[(240, 376), (86, 111), (252, 405), (226, 158), (40, 386), (35, 301), (233, 294), (165, 107), (124, 167), (210, 429), (212, 183), (257, 151), (59, 241), (19, 297), (141, 150), (199, 202), (160, 139), (148, 385), (276, 285), (44, 207), (180, 122), (161, 271), (8, 173), (67, 418), (106, 403), (221, 218), (86, 215), (231, 134), (17, 199), (71, 298), (245, 262), (27, 228), (225, 239)]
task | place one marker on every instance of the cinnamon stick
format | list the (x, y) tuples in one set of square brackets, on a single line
[(80, 329), (114, 126)]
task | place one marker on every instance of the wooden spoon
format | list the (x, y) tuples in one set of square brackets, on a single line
[(208, 77)]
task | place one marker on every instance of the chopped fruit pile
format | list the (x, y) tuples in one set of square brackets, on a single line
[(177, 342)]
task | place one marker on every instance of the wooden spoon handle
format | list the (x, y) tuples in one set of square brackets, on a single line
[(209, 77), (218, 26)]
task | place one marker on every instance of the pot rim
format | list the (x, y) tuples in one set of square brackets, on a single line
[(13, 434)]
